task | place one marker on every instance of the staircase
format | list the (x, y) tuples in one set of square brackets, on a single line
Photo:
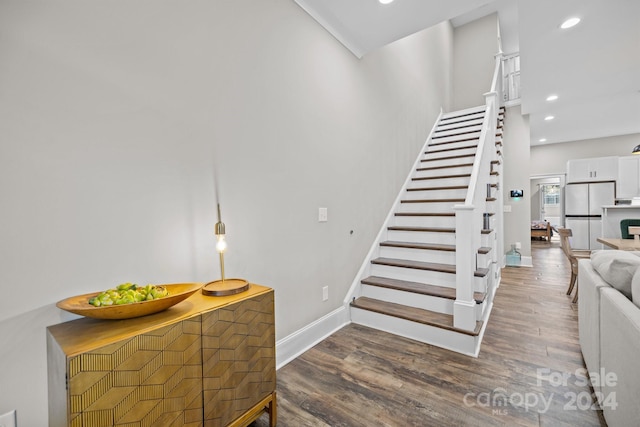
[(433, 271)]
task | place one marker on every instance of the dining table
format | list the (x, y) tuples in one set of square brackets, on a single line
[(621, 244)]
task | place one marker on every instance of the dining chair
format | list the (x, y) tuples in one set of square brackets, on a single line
[(573, 256), (624, 227)]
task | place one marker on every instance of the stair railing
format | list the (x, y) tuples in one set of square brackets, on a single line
[(469, 215)]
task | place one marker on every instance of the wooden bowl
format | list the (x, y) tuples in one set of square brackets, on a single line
[(80, 303)]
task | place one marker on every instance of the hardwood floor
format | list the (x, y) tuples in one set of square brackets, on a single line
[(529, 372)]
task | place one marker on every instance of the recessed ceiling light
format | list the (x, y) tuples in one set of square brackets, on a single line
[(385, 1), (552, 97), (542, 140), (571, 22), (549, 118)]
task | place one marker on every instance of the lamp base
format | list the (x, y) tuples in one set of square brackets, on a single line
[(221, 288)]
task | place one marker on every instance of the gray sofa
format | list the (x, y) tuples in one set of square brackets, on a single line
[(609, 330)]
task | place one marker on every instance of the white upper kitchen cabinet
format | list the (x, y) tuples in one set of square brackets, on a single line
[(628, 184), (595, 169)]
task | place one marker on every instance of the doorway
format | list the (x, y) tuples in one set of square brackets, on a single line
[(550, 209), (547, 200)]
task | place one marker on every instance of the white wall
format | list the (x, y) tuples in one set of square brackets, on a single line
[(117, 115), (517, 223), (475, 45), (551, 159)]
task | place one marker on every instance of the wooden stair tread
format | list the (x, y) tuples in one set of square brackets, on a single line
[(418, 288), (422, 265), (448, 187), (416, 265), (454, 134), (461, 119), (473, 113), (466, 147), (481, 272), (457, 127), (486, 230), (459, 156), (429, 246), (423, 246), (491, 199), (459, 165), (424, 178), (454, 141), (433, 201), (423, 229), (426, 317)]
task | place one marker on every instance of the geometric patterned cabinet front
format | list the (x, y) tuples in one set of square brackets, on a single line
[(208, 361)]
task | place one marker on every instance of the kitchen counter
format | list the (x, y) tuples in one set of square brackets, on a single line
[(613, 214)]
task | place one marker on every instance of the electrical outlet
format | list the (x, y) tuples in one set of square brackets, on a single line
[(506, 208), (325, 293), (9, 419), (322, 215), (518, 245)]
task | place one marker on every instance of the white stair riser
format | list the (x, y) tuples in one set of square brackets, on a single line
[(440, 172), (438, 152), (436, 194), (426, 255), (440, 182), (421, 237), (454, 141), (427, 207), (480, 283), (444, 338), (456, 135), (487, 239), (410, 299), (414, 275), (484, 260), (447, 126), (480, 310), (425, 221), (445, 162)]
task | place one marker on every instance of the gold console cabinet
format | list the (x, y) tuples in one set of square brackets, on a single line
[(207, 361)]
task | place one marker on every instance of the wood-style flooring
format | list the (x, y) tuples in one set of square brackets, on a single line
[(530, 370)]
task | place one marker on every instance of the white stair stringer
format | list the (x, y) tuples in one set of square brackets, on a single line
[(416, 246)]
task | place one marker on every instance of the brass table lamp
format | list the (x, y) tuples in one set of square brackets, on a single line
[(223, 286)]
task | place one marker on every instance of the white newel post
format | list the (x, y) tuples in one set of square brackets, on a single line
[(464, 307)]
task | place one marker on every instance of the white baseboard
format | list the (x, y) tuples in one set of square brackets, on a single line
[(525, 261), (303, 339)]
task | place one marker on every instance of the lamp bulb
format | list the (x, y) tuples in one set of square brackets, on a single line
[(221, 245)]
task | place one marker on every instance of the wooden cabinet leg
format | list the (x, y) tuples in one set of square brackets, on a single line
[(273, 410)]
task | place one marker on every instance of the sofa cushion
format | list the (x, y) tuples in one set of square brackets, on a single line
[(635, 288), (616, 268)]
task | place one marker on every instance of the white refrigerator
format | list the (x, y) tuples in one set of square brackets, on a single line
[(583, 211)]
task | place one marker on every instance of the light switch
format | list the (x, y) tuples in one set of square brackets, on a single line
[(506, 208), (322, 215)]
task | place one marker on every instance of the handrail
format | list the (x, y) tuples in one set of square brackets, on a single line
[(469, 214), (490, 107)]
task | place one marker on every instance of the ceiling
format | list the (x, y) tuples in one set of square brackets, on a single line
[(594, 68)]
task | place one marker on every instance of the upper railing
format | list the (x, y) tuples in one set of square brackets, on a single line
[(469, 216), (511, 77)]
